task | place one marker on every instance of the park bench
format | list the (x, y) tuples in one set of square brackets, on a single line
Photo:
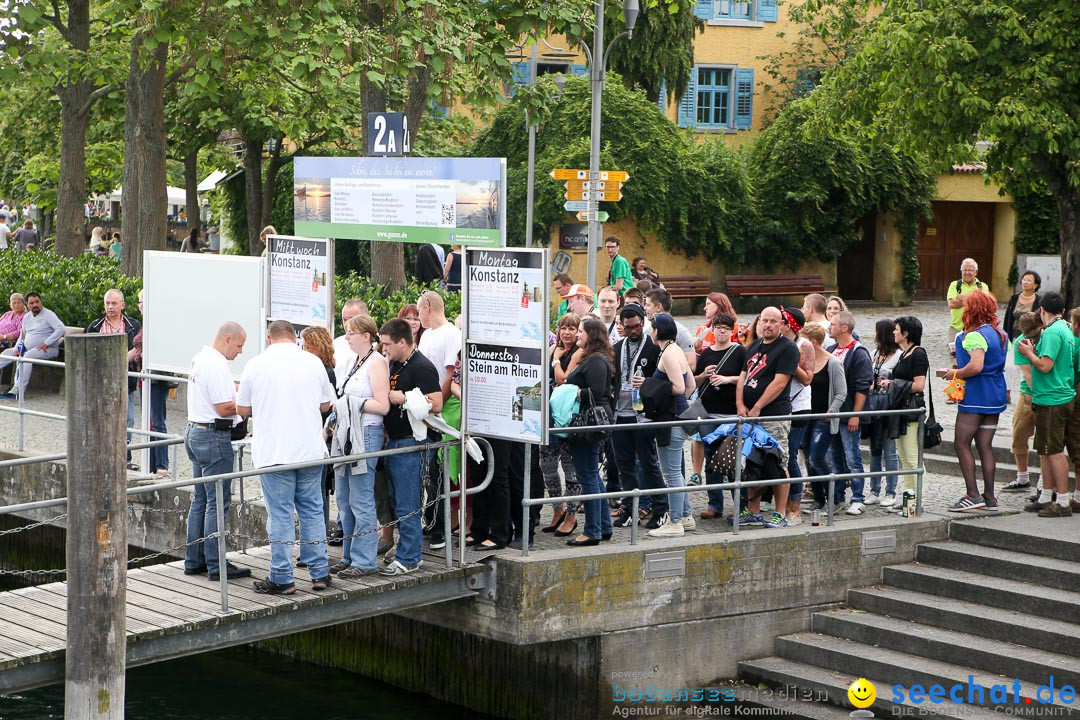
[(45, 377), (687, 286), (746, 285)]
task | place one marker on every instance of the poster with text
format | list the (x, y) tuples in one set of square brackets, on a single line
[(300, 280), (450, 201), (506, 296), (505, 391)]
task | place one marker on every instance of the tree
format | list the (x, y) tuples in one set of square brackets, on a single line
[(949, 74), (661, 53)]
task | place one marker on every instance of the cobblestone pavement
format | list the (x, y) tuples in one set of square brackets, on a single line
[(48, 436)]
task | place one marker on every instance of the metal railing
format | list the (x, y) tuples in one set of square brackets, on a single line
[(736, 484)]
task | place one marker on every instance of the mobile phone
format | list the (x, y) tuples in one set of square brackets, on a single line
[(942, 371)]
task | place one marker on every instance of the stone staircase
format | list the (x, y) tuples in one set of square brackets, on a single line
[(998, 602)]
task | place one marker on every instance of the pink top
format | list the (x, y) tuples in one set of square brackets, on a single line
[(10, 323)]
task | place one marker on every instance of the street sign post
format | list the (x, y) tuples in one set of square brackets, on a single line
[(606, 175), (601, 216), (596, 195), (575, 205)]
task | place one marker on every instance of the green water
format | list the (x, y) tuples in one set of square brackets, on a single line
[(243, 684)]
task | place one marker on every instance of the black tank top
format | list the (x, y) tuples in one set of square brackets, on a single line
[(819, 391)]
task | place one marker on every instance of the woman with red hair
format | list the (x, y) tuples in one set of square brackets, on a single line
[(980, 355)]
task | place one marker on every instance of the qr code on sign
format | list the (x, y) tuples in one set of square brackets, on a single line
[(448, 214)]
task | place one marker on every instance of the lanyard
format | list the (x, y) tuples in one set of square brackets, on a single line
[(359, 363)]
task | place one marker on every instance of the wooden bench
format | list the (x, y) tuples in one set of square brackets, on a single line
[(746, 285), (687, 286)]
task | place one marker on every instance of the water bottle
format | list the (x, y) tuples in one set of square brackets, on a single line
[(635, 396), (21, 347)]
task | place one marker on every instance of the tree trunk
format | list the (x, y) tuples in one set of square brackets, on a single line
[(1055, 171), (71, 193), (270, 185), (253, 196), (144, 203), (191, 189)]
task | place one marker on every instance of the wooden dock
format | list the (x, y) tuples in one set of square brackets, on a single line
[(170, 614)]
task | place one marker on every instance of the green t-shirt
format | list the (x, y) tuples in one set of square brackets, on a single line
[(620, 268), (956, 314), (1058, 386), (1019, 359)]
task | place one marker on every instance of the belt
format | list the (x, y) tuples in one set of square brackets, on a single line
[(203, 426)]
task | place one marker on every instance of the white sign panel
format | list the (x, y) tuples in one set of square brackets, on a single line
[(506, 391), (506, 296), (301, 280)]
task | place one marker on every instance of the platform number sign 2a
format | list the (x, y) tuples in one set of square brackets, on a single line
[(388, 134)]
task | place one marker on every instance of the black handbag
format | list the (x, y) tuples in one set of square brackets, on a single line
[(932, 429), (594, 414)]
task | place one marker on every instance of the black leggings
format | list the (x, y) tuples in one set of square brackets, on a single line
[(981, 429)]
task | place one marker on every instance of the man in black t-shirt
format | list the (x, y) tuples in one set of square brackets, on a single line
[(409, 370), (762, 392)]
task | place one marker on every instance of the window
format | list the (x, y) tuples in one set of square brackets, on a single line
[(732, 9), (718, 98), (737, 11), (713, 96)]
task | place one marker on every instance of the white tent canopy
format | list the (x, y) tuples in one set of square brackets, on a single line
[(177, 196), (211, 181)]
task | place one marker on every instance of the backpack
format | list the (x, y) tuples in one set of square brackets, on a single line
[(960, 283)]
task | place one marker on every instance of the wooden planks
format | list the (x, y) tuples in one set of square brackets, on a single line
[(793, 284)]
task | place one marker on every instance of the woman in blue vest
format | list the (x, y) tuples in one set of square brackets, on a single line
[(980, 357)]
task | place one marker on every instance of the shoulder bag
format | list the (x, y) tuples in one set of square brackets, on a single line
[(588, 416), (931, 429)]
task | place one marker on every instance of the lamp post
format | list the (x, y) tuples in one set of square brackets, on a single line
[(560, 83), (598, 58)]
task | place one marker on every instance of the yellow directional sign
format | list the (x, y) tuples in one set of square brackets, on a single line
[(598, 195), (583, 185), (568, 174)]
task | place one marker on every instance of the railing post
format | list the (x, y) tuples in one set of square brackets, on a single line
[(922, 466), (635, 509), (241, 510), (738, 477), (448, 535), (829, 500), (223, 567), (526, 531), (96, 397), (22, 403)]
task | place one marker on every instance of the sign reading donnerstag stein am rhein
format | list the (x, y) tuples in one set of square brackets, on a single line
[(506, 343), (300, 281)]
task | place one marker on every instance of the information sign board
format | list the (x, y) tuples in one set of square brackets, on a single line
[(300, 280)]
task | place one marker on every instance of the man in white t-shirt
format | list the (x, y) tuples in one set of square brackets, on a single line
[(285, 390), (5, 233), (211, 410), (799, 391), (659, 301), (343, 354)]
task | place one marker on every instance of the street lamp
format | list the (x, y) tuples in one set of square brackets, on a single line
[(560, 83), (598, 58)]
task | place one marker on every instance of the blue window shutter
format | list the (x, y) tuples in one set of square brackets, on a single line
[(704, 9), (579, 70), (688, 104), (520, 73), (767, 11), (744, 98), (662, 102)]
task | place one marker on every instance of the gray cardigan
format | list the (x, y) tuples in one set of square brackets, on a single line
[(837, 390)]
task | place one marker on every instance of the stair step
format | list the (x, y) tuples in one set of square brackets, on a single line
[(949, 465), (1010, 564), (995, 592), (1005, 625), (1026, 533), (789, 707), (946, 645), (778, 671), (847, 656)]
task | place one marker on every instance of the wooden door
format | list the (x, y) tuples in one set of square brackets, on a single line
[(958, 230), (854, 269)]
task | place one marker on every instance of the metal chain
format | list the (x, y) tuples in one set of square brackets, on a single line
[(166, 511), (32, 572), (24, 528)]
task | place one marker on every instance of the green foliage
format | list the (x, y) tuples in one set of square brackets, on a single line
[(661, 52), (383, 303), (73, 288), (1038, 225)]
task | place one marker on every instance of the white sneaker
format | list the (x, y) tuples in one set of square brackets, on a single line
[(872, 499), (793, 519), (888, 501), (688, 522), (856, 508), (669, 529)]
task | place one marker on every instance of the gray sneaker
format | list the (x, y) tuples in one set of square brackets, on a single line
[(967, 503), (396, 568)]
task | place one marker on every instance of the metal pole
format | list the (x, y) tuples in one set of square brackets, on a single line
[(635, 509), (922, 466), (22, 405), (97, 528), (829, 501), (531, 183), (737, 492), (596, 84), (144, 412), (175, 454), (243, 515), (448, 535), (223, 567), (525, 507)]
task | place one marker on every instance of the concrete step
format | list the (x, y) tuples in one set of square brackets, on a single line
[(814, 708), (1005, 625), (833, 686), (1024, 533), (1045, 571), (849, 657), (1002, 449), (939, 463), (995, 592), (949, 646)]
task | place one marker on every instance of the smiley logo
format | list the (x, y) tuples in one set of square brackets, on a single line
[(862, 693)]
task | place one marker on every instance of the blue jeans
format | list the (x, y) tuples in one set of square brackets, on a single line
[(817, 460), (159, 456), (795, 441), (886, 447), (404, 472), (639, 466), (356, 506), (853, 457), (671, 460), (211, 453), (286, 491), (587, 466)]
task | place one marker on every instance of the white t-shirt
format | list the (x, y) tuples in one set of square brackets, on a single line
[(284, 387), (5, 233), (210, 384), (441, 346), (799, 393)]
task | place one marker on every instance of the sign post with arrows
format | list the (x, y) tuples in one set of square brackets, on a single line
[(583, 194)]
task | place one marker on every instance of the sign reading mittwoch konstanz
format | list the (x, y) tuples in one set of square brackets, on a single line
[(451, 201)]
